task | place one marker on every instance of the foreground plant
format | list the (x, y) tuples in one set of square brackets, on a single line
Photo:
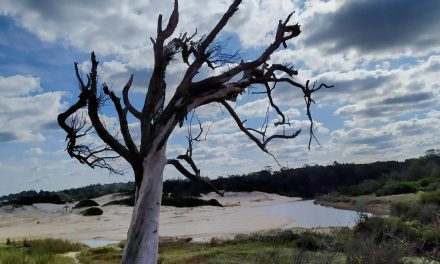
[(157, 120)]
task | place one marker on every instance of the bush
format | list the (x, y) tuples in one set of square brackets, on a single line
[(127, 202), (432, 197), (170, 200), (40, 251), (309, 241), (364, 249), (52, 246), (392, 188), (187, 202), (403, 209), (365, 187), (85, 203), (92, 211)]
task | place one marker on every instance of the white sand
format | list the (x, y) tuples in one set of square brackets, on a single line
[(241, 214)]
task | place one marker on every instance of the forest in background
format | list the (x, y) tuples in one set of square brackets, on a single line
[(380, 178)]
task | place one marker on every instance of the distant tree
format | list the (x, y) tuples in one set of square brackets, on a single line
[(432, 153), (158, 120)]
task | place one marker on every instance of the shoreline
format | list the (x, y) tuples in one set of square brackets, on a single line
[(377, 205), (240, 214)]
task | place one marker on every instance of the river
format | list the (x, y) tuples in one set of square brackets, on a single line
[(307, 214)]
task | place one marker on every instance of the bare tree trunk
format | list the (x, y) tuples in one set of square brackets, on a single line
[(143, 237)]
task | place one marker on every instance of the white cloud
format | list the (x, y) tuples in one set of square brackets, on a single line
[(388, 101), (18, 85), (34, 151), (24, 115)]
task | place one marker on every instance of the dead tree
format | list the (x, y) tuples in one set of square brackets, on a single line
[(158, 120)]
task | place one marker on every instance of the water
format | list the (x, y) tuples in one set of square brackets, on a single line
[(93, 243), (307, 214)]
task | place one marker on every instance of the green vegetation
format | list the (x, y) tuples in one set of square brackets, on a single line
[(408, 193), (432, 197), (270, 247), (378, 178), (378, 194), (42, 251), (374, 241)]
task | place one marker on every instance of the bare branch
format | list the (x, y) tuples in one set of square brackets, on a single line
[(127, 103), (93, 107), (192, 176), (157, 120), (83, 153), (123, 124), (261, 144), (220, 25)]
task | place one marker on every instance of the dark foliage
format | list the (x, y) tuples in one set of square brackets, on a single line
[(85, 203), (31, 197), (176, 201), (92, 211), (61, 197), (389, 177), (310, 241), (170, 200), (311, 181), (126, 201)]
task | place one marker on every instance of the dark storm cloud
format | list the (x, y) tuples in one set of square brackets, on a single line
[(358, 85), (7, 136), (378, 25), (393, 106)]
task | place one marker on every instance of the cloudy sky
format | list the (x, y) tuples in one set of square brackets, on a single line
[(382, 56)]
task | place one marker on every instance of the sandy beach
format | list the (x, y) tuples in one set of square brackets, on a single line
[(242, 213)]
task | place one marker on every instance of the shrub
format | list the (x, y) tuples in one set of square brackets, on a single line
[(127, 202), (432, 197), (85, 203), (392, 188), (402, 209), (40, 251), (365, 187), (309, 241), (187, 202), (92, 211), (364, 249), (52, 246)]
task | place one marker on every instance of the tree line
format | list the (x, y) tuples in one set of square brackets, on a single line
[(382, 178)]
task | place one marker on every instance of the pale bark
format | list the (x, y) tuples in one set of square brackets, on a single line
[(143, 237)]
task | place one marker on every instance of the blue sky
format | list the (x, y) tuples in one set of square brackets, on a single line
[(382, 56)]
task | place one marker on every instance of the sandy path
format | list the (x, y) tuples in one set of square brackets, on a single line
[(241, 214)]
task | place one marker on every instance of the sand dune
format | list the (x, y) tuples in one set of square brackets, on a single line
[(241, 214)]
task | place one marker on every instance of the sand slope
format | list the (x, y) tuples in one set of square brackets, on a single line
[(241, 214)]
